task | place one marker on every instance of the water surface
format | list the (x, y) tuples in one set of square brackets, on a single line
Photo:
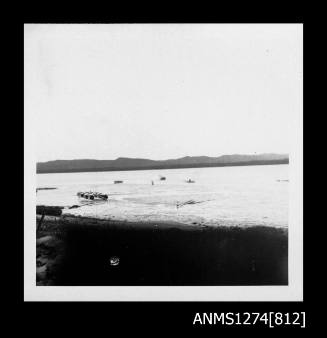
[(245, 196)]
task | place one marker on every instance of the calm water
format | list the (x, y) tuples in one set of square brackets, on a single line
[(252, 195)]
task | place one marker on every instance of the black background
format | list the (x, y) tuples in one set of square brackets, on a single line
[(46, 318)]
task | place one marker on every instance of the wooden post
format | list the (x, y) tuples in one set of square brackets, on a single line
[(40, 222)]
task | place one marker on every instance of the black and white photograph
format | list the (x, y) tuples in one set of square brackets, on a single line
[(163, 162)]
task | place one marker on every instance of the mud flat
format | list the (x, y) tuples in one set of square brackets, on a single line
[(87, 251)]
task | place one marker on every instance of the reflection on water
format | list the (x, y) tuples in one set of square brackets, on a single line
[(225, 196), (83, 202)]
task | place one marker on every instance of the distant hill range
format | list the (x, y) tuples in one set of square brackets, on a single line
[(125, 163)]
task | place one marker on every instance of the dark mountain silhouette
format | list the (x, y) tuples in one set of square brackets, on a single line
[(125, 163)]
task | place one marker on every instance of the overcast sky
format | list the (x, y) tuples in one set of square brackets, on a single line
[(162, 91)]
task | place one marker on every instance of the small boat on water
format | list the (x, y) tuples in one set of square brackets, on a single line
[(190, 181), (93, 196), (162, 178), (117, 182)]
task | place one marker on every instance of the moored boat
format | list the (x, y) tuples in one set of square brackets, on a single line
[(93, 196), (190, 181)]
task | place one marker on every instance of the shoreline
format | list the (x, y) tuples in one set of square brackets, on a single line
[(157, 224), (158, 167), (68, 217)]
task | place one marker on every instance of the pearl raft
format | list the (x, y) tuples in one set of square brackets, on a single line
[(92, 196)]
